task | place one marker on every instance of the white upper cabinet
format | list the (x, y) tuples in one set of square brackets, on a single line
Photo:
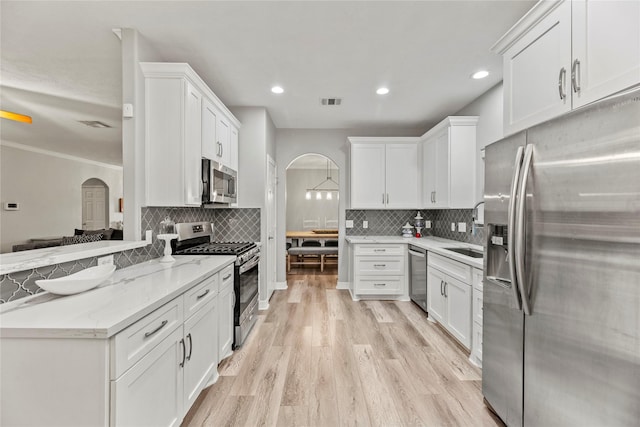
[(606, 48), (565, 54), (449, 164), (223, 143), (536, 72), (384, 173), (233, 149), (219, 136), (367, 176), (209, 141), (182, 117)]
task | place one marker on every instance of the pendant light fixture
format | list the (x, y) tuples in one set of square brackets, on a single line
[(328, 185)]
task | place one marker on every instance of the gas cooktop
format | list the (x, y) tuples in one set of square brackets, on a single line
[(217, 248)]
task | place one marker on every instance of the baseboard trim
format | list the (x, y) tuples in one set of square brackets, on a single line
[(263, 305), (281, 286), (343, 285)]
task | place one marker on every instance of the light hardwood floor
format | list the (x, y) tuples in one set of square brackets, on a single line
[(317, 358)]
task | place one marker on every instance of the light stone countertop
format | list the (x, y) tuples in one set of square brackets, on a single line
[(433, 244), (26, 260), (129, 295)]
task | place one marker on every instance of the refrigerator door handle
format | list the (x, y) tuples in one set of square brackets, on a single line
[(520, 229), (511, 236)]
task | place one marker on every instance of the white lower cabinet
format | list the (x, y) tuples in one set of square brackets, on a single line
[(227, 300), (380, 270), (449, 296), (476, 345), (147, 374), (436, 302), (201, 351), (160, 388), (150, 393)]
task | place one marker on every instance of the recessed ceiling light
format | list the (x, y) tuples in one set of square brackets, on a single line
[(382, 91), (277, 89), (480, 74)]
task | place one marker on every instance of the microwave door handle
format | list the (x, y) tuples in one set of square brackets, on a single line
[(511, 237), (521, 229)]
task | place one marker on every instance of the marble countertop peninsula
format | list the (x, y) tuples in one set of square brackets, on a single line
[(129, 295), (433, 244), (27, 260)]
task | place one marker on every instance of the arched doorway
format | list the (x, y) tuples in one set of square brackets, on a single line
[(95, 204), (312, 211)]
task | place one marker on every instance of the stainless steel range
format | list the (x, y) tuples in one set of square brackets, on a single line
[(194, 238)]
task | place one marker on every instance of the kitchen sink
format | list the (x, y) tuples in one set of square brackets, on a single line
[(468, 252)]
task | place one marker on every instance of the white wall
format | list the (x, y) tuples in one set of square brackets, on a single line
[(488, 108), (135, 49), (256, 140), (48, 188), (331, 143), (299, 208), (252, 141)]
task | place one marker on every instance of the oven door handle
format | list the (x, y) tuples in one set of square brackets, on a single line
[(249, 265)]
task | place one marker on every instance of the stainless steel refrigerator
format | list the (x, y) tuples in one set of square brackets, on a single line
[(561, 333)]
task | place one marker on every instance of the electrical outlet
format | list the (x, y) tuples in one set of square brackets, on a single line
[(365, 224), (453, 226), (349, 223), (148, 236), (462, 227), (427, 224), (105, 260)]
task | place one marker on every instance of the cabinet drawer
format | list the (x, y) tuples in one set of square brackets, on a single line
[(200, 294), (226, 277), (448, 266), (380, 249), (131, 344), (477, 306), (380, 286), (477, 279), (477, 340), (382, 266)]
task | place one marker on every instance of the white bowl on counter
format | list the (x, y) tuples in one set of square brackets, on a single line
[(78, 282)]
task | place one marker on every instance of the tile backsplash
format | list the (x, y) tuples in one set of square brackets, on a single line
[(229, 225), (390, 222)]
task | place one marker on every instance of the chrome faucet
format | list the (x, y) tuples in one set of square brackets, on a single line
[(474, 217)]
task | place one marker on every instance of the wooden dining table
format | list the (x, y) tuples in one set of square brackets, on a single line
[(309, 234)]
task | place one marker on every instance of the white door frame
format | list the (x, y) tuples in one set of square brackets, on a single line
[(271, 226)]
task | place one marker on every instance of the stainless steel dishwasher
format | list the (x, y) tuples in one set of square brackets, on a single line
[(418, 276)]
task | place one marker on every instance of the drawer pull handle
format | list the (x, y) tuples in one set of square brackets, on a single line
[(226, 277), (162, 325), (379, 250), (184, 352), (379, 265), (204, 294), (379, 284), (190, 346)]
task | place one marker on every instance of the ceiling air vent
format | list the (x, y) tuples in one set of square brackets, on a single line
[(94, 123), (331, 101)]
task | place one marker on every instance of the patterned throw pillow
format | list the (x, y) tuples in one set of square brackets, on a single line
[(85, 238)]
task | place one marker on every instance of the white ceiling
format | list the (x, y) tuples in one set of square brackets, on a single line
[(424, 51)]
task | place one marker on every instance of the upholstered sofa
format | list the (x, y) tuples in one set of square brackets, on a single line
[(79, 236)]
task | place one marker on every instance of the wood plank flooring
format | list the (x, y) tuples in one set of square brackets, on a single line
[(317, 358)]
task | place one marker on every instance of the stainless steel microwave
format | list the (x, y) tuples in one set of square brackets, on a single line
[(218, 183)]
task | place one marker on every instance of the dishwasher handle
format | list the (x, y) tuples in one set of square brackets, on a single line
[(418, 254)]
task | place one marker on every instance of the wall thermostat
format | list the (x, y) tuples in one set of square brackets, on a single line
[(11, 206)]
